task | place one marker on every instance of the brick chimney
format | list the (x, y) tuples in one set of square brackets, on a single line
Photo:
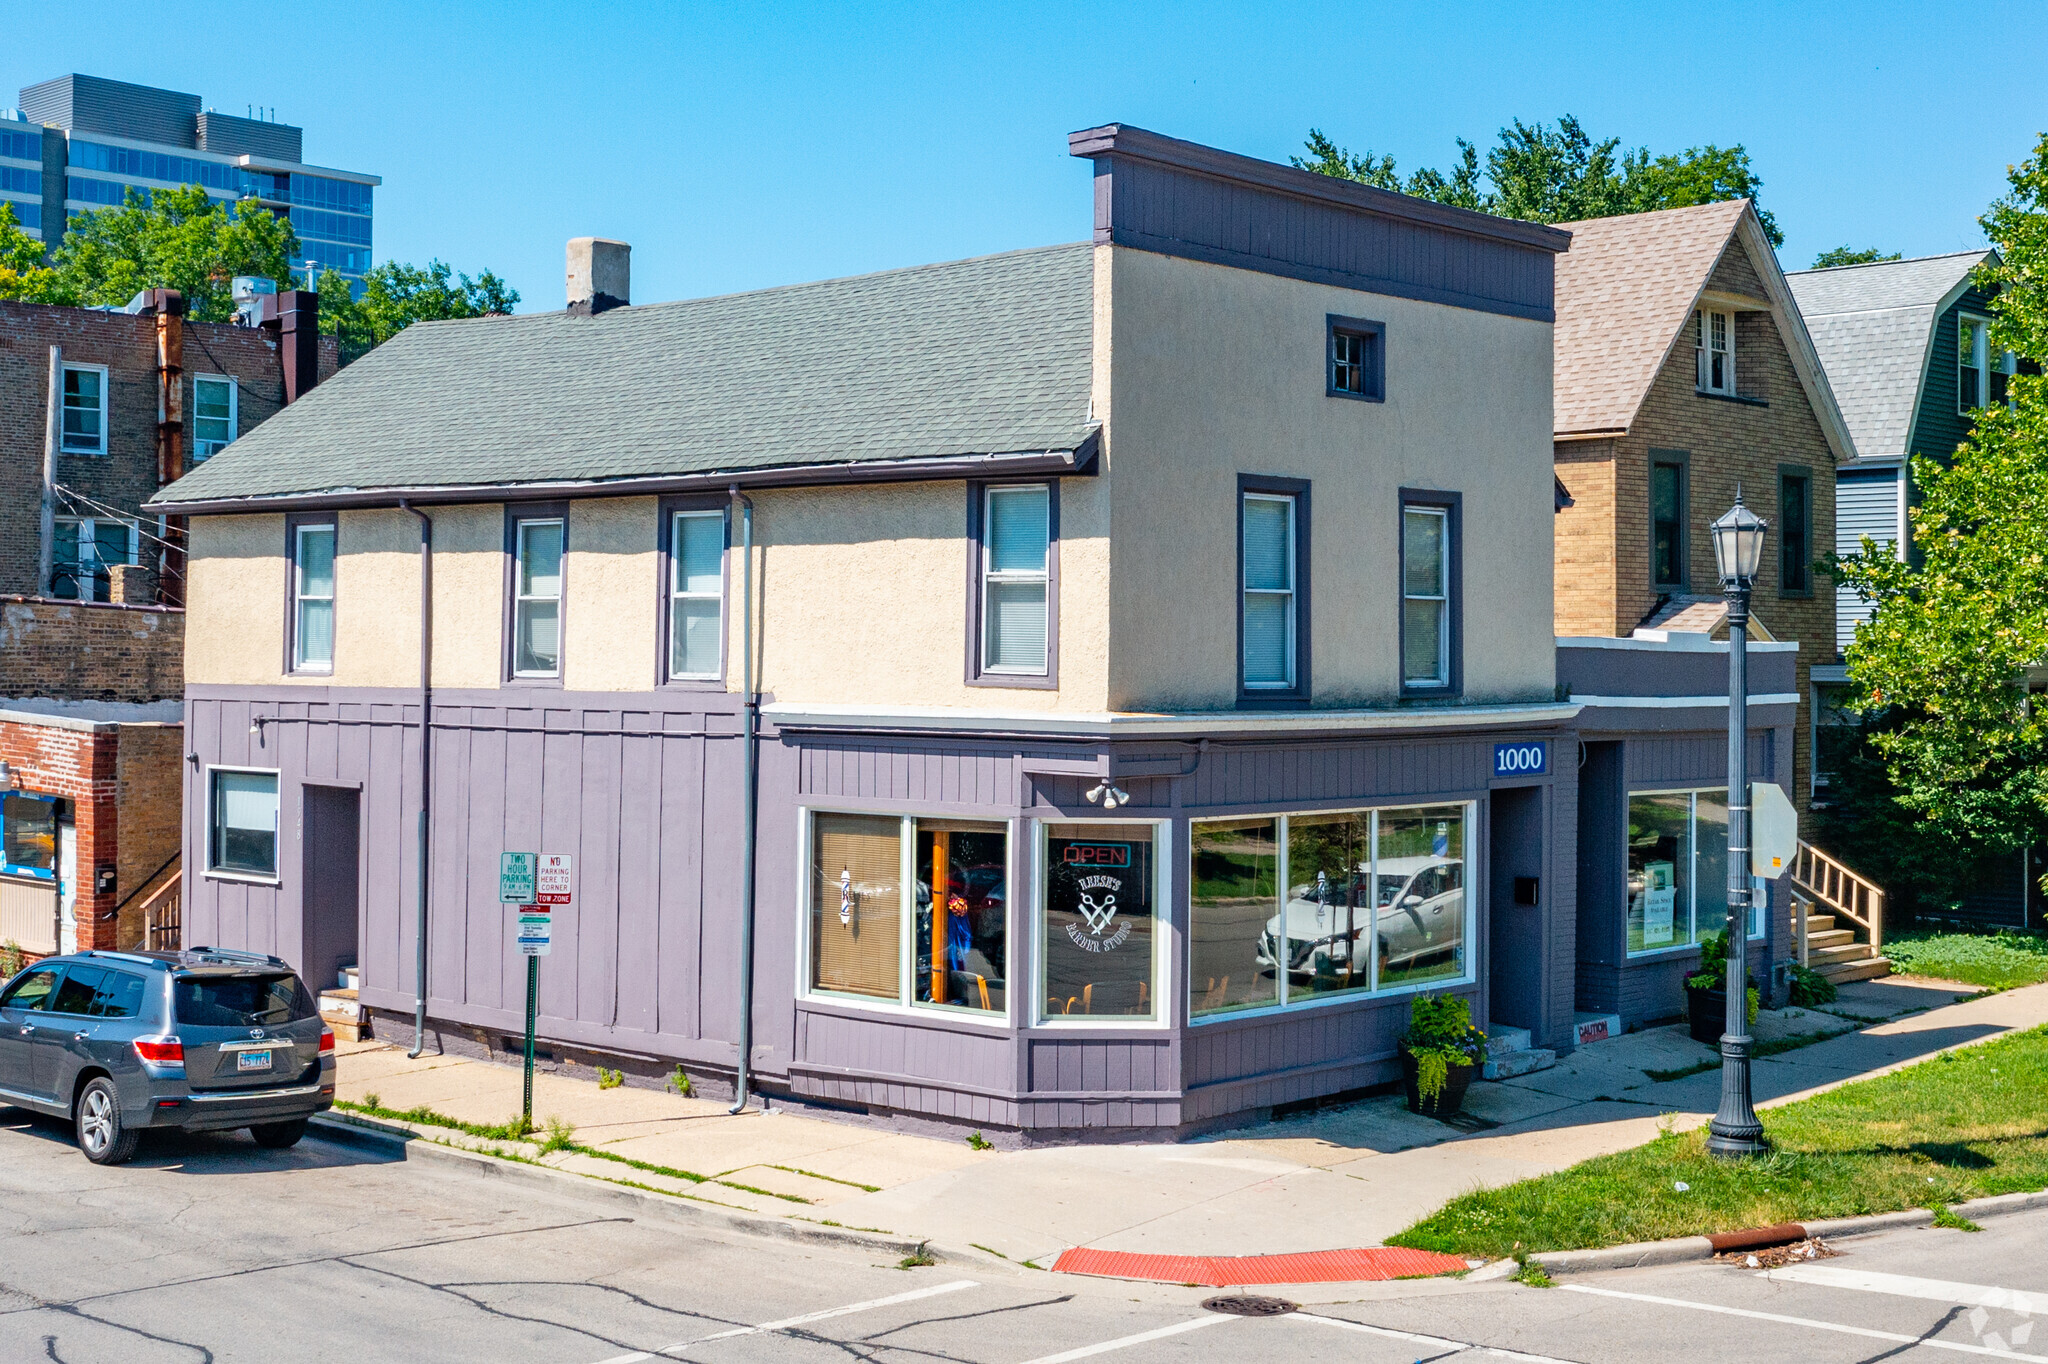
[(600, 275)]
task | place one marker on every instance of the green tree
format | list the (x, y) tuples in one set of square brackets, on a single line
[(1850, 255), (179, 239), (395, 295), (1947, 652), (1556, 175), (23, 276)]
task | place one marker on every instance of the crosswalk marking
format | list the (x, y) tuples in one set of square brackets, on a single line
[(806, 1319), (1909, 1286), (1438, 1342), (1124, 1342), (1924, 1342)]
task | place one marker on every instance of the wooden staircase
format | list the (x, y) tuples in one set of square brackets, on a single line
[(1837, 919)]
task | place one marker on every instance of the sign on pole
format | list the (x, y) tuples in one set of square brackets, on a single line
[(515, 878), (1773, 831), (552, 879), (536, 931)]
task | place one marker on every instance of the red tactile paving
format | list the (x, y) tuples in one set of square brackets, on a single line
[(1372, 1263)]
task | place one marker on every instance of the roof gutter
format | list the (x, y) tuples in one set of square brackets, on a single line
[(1079, 461)]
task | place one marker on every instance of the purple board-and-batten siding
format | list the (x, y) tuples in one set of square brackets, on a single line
[(642, 788)]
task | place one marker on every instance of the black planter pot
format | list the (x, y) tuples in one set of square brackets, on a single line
[(1449, 1101), (1707, 1012)]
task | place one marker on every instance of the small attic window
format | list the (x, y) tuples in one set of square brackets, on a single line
[(1714, 344), (1356, 361)]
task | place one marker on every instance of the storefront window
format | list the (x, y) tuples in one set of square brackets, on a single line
[(961, 931), (28, 826), (1420, 895), (1329, 935), (1100, 927), (1236, 865), (1677, 868), (857, 904)]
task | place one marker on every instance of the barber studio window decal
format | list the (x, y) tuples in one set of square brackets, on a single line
[(1100, 927)]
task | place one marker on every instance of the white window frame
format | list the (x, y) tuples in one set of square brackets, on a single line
[(1704, 352), (677, 595), (906, 1005), (1979, 359), (88, 538), (1442, 679), (234, 414), (1163, 931), (1291, 593), (990, 577), (300, 663), (519, 530), (64, 441), (1373, 991), (277, 835)]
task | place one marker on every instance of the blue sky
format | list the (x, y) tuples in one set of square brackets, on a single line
[(740, 147)]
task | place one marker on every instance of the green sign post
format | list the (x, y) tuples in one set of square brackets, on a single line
[(522, 882)]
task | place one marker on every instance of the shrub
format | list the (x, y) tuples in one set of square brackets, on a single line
[(1810, 987)]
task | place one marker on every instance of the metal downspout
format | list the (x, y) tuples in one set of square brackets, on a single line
[(751, 732), (419, 1012)]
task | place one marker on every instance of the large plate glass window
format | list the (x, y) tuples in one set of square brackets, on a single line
[(857, 905), (85, 410), (1425, 597), (696, 594), (1677, 868), (1269, 617), (242, 823), (960, 934), (1234, 874), (313, 598), (213, 414), (1714, 346), (1016, 580), (1100, 921), (537, 598)]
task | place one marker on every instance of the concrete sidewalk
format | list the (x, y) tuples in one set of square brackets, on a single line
[(1349, 1175)]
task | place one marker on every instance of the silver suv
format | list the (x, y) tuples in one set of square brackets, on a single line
[(203, 1040)]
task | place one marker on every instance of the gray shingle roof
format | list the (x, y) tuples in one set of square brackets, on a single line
[(1872, 325), (975, 357)]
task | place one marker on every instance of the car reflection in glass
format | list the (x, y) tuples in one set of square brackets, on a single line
[(1421, 905)]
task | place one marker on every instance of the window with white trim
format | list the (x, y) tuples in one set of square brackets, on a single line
[(696, 603), (1714, 346), (82, 551), (1425, 596), (85, 410), (1099, 923), (241, 822), (1981, 373), (313, 598), (1016, 579), (1267, 565), (214, 413), (537, 596)]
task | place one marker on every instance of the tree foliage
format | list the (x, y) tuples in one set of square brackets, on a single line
[(1957, 630), (1850, 255), (23, 276), (1556, 175), (395, 295), (181, 239)]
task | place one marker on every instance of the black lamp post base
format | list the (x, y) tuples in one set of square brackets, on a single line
[(1735, 1131), (1738, 1142)]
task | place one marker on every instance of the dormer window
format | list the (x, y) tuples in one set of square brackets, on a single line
[(1714, 344)]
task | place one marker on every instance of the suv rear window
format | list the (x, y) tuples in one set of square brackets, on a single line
[(239, 1001)]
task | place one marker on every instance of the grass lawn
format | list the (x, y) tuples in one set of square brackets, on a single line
[(2000, 960), (1960, 1126)]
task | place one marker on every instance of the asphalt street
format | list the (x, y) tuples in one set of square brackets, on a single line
[(208, 1248)]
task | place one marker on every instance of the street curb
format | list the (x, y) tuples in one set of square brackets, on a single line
[(1683, 1249), (350, 1129)]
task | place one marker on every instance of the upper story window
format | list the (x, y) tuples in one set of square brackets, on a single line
[(1428, 592), (213, 414), (537, 549), (83, 550), (1016, 580), (1981, 373), (696, 609), (85, 409), (1269, 568), (1714, 343), (312, 621), (1356, 358), (1667, 518), (1795, 531)]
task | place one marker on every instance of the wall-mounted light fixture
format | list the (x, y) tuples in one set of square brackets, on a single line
[(1109, 797)]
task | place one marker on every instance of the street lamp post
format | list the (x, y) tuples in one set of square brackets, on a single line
[(1738, 549)]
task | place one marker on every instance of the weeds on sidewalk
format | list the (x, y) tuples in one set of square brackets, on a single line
[(610, 1079), (679, 1083), (978, 1142), (1961, 1125), (917, 1259), (561, 1136)]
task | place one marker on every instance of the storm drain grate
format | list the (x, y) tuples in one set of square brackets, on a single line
[(1249, 1305)]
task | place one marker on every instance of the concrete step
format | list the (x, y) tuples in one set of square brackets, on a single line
[(1842, 972), (1847, 952), (1590, 1028), (1503, 1038), (1521, 1062)]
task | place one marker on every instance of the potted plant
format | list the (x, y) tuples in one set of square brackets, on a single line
[(1440, 1054), (1706, 991)]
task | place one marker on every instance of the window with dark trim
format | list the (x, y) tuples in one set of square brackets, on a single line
[(1795, 530), (1272, 614), (309, 618), (536, 555), (1356, 358), (1013, 532), (1431, 612), (693, 549), (1668, 498)]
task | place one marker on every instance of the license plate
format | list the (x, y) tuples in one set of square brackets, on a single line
[(252, 1060)]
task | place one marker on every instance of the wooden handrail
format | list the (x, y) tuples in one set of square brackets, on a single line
[(156, 921), (1842, 891)]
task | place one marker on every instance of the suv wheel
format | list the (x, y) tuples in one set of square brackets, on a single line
[(276, 1136), (104, 1138)]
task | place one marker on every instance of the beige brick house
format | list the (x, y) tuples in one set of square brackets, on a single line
[(1683, 372)]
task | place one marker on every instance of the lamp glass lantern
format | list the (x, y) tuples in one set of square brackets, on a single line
[(1739, 545)]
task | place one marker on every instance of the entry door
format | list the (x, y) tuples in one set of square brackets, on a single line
[(331, 894), (1515, 976)]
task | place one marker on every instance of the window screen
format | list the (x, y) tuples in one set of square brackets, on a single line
[(537, 602), (1268, 559), (697, 587), (1015, 580)]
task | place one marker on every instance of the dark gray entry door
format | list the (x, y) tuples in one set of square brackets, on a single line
[(1516, 910), (331, 898)]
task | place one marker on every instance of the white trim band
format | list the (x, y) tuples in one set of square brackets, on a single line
[(1769, 698), (1114, 724)]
